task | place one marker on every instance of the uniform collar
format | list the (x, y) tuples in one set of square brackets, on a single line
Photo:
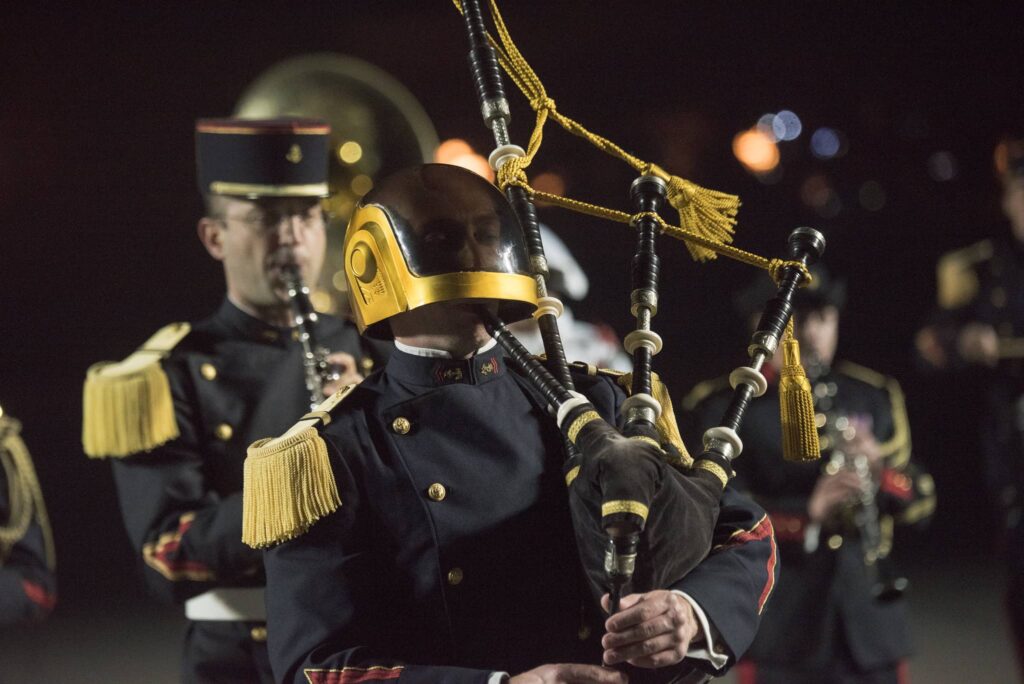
[(428, 368), (251, 327)]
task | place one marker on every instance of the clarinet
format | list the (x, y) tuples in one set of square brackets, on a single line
[(317, 370), (887, 583)]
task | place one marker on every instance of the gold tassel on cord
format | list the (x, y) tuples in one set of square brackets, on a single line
[(709, 213), (799, 434), (127, 406), (288, 486)]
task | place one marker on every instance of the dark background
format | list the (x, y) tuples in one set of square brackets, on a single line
[(98, 201)]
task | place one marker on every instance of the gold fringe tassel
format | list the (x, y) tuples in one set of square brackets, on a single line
[(127, 412), (799, 434), (711, 214), (127, 406), (288, 486)]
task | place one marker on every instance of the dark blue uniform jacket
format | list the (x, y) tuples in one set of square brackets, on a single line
[(452, 554)]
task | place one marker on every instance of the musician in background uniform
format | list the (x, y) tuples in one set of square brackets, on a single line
[(979, 330), (836, 615), (28, 581), (177, 415), (450, 555), (596, 344)]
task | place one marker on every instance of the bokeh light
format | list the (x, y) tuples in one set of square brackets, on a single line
[(756, 150), (451, 149), (350, 152), (817, 193), (786, 125), (475, 163), (549, 182), (361, 185), (942, 166), (826, 143)]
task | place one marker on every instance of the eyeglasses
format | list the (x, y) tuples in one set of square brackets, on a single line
[(268, 220)]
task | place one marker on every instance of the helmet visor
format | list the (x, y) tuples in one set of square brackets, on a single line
[(448, 220)]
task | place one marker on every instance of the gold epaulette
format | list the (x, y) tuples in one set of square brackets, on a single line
[(957, 281), (127, 405), (703, 390), (288, 480), (896, 449)]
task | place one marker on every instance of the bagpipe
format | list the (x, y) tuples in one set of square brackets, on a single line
[(643, 510)]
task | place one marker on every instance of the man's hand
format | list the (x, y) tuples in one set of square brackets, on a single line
[(345, 368), (862, 442), (978, 343), (570, 674), (650, 630), (832, 491)]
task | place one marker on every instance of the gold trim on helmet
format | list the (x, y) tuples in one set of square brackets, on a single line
[(381, 284), (257, 190)]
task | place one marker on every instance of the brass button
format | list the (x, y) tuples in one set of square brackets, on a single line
[(401, 425), (224, 432), (208, 371), (455, 576), (584, 632), (366, 365), (258, 633), (437, 492), (835, 541)]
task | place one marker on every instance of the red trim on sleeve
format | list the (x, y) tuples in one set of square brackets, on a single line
[(746, 672), (162, 555), (38, 595), (896, 483), (762, 530)]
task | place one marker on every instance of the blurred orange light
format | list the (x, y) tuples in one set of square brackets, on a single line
[(549, 182), (475, 163), (756, 150), (450, 149)]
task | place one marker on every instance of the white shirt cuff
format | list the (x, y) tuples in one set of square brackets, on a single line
[(498, 678), (711, 650)]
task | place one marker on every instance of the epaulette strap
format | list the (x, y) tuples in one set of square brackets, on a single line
[(666, 424), (127, 405), (957, 281), (703, 390), (25, 496), (896, 449), (288, 481)]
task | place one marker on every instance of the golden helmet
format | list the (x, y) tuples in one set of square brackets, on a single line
[(435, 233)]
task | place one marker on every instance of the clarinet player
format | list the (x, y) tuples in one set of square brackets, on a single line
[(837, 615), (177, 447)]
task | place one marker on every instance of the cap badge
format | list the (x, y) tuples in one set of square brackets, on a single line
[(294, 154)]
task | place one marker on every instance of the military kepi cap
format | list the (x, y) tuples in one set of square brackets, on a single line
[(262, 157), (824, 290)]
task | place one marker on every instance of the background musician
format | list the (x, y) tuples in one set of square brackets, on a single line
[(180, 490), (825, 623), (978, 333)]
